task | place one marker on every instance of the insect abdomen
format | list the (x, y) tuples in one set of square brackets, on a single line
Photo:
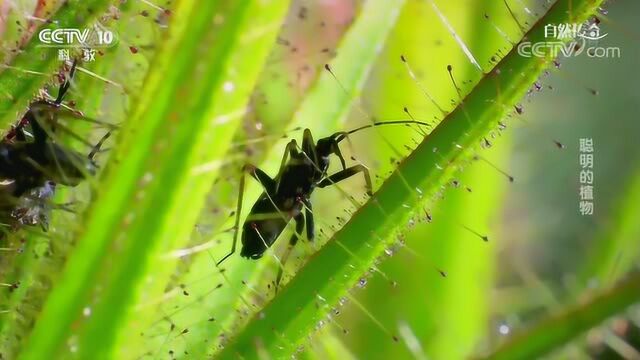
[(262, 228)]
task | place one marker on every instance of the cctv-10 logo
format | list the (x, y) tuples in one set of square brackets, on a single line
[(76, 38)]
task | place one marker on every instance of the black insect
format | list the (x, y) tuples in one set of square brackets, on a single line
[(287, 196), (31, 164), (32, 208)]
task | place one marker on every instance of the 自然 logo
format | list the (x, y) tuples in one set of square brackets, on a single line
[(570, 40)]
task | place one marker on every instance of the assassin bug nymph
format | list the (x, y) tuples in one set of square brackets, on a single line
[(31, 166), (287, 196)]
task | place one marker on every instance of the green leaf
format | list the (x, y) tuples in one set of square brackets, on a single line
[(420, 303), (571, 322), (177, 119), (284, 323)]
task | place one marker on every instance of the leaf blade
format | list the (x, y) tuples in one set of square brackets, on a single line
[(137, 185)]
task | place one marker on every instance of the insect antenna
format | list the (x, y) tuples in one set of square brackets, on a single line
[(339, 136), (342, 135)]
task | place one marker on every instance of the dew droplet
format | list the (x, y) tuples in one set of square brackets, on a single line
[(228, 86)]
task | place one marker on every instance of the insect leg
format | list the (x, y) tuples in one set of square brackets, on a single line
[(309, 146), (19, 130), (20, 136), (335, 139), (66, 84), (266, 182), (308, 218), (336, 150), (290, 151), (292, 242), (40, 135), (347, 173), (97, 146), (237, 223)]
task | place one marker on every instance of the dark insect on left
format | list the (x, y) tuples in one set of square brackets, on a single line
[(32, 163)]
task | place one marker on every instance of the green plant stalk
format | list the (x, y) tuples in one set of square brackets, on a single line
[(134, 214), (571, 322), (21, 85), (285, 322), (444, 330), (427, 304), (354, 60)]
